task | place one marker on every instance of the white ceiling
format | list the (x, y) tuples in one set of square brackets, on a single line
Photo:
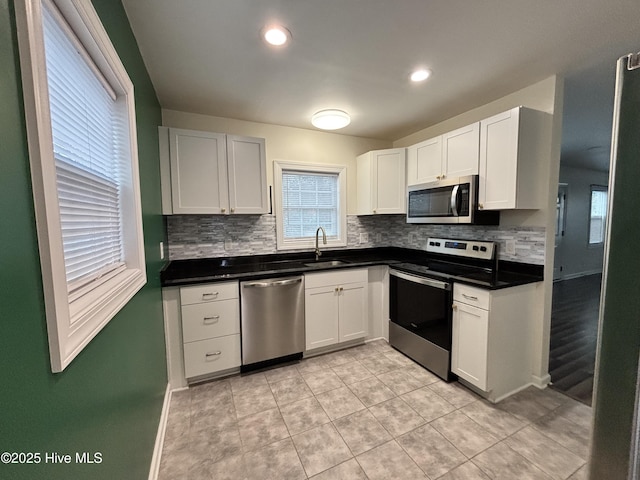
[(207, 57)]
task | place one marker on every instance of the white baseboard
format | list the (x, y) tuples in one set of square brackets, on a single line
[(154, 470), (541, 382)]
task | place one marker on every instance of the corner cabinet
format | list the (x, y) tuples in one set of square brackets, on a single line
[(381, 182), (491, 348), (336, 306), (513, 147), (453, 154), (212, 173)]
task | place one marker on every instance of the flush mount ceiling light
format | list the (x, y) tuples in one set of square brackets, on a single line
[(420, 75), (330, 119), (276, 35)]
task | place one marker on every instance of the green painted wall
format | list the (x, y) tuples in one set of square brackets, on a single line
[(110, 398)]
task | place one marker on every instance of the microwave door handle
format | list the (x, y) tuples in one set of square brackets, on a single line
[(454, 200)]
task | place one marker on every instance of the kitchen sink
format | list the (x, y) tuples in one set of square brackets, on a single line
[(326, 263)]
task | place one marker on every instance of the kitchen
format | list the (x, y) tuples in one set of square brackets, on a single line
[(288, 143)]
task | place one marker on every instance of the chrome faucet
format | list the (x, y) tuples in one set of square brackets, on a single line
[(324, 241)]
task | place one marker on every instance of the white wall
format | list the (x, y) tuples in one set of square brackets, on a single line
[(287, 143), (574, 254)]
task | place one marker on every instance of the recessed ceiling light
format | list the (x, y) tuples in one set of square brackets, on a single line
[(276, 35), (420, 75), (330, 119)]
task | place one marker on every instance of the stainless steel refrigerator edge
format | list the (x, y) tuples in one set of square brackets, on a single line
[(614, 446), (272, 318)]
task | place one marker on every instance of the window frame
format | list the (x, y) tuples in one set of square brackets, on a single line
[(597, 188), (72, 324), (309, 242)]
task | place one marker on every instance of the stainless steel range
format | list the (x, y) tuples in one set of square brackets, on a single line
[(421, 296)]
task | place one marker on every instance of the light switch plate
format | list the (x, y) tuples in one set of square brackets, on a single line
[(511, 247), (364, 237)]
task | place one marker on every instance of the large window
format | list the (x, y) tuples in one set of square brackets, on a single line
[(597, 215), (82, 144), (310, 196)]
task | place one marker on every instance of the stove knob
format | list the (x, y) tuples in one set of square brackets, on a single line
[(475, 247), (483, 249)]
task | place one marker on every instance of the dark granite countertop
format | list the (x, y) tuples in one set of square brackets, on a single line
[(209, 270)]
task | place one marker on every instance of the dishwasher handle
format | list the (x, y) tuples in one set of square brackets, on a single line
[(277, 283)]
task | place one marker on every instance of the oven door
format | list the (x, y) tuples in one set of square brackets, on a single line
[(421, 306)]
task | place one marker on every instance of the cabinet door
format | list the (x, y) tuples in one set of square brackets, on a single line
[(198, 172), (321, 316), (247, 166), (461, 150), (470, 342), (389, 181), (352, 311), (424, 161), (498, 161)]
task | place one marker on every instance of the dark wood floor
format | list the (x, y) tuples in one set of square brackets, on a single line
[(574, 332)]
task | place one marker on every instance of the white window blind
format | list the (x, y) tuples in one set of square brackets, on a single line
[(309, 200), (86, 121)]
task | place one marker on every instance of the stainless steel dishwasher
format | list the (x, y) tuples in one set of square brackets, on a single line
[(272, 318)]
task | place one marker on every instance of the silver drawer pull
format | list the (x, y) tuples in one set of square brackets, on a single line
[(213, 354), (210, 320), (206, 296), (470, 297)]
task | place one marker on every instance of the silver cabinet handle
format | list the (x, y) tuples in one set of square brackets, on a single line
[(206, 296), (279, 283), (213, 354), (210, 320), (470, 297)]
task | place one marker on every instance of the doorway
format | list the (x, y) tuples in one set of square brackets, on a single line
[(577, 281)]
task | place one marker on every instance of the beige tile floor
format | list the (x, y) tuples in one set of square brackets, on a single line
[(369, 413)]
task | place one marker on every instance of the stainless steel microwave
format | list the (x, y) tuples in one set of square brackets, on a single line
[(453, 200)]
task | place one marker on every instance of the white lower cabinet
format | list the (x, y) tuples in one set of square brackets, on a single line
[(491, 347), (210, 322), (212, 355), (336, 305), (470, 344)]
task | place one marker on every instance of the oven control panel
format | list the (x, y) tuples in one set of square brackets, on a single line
[(462, 248)]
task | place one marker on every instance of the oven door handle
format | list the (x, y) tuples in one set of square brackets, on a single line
[(454, 200), (422, 280)]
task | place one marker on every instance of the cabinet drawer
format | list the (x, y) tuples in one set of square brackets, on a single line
[(336, 277), (208, 293), (211, 319), (213, 355), (471, 295)]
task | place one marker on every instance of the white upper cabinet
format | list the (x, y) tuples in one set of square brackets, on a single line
[(381, 182), (424, 161), (453, 154), (460, 151), (512, 146), (247, 172), (212, 173)]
